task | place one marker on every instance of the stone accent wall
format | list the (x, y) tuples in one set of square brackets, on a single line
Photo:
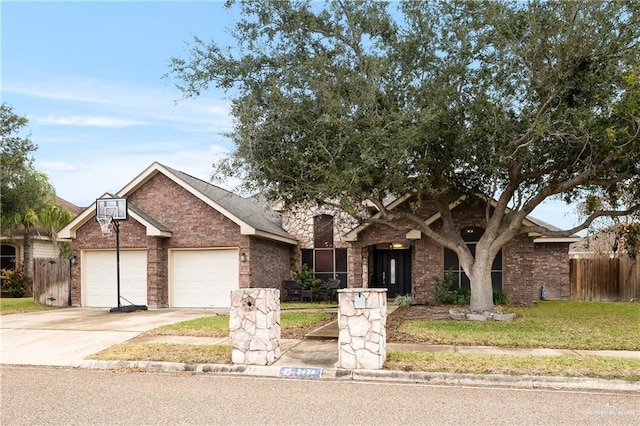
[(362, 338), (299, 224), (254, 324)]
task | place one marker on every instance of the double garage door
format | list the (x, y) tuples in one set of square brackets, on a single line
[(197, 278)]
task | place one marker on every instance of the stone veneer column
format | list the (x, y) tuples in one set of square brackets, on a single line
[(254, 324), (362, 340)]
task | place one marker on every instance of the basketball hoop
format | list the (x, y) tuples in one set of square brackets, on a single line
[(106, 224)]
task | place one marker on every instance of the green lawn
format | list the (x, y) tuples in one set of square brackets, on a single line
[(549, 324), (218, 326), (563, 366), (10, 305)]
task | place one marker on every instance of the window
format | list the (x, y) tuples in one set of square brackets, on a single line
[(323, 231), (452, 264), (325, 260), (7, 257)]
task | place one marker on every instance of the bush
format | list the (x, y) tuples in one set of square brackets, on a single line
[(307, 278), (15, 282), (404, 300), (443, 293)]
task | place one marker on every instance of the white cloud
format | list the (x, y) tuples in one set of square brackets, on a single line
[(56, 166), (108, 100), (74, 90), (97, 121)]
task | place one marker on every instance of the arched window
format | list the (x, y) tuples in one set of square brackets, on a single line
[(326, 261), (452, 264), (7, 257)]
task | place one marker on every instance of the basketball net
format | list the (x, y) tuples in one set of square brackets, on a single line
[(106, 224)]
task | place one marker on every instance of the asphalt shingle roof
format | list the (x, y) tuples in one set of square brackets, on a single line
[(249, 210)]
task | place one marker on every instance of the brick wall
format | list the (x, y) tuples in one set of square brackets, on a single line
[(551, 268), (269, 263)]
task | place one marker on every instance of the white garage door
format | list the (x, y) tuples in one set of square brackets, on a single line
[(100, 283), (203, 278)]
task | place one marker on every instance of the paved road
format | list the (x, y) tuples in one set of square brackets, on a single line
[(65, 336), (44, 395)]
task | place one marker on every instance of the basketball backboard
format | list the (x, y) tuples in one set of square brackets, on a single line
[(114, 207)]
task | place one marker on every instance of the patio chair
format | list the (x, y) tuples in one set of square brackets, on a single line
[(332, 289), (293, 291)]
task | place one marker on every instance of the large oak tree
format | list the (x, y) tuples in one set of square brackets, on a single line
[(518, 102)]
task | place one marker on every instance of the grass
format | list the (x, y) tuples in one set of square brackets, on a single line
[(22, 304), (167, 352), (565, 366), (307, 305), (218, 326), (213, 326), (549, 324)]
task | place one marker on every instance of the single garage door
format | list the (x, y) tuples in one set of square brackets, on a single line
[(203, 278), (100, 283)]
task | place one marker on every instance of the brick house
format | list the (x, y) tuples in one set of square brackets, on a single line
[(187, 243)]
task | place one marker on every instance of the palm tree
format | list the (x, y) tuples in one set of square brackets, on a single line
[(41, 214)]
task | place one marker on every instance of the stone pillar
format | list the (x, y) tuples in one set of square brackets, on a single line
[(362, 319), (254, 324)]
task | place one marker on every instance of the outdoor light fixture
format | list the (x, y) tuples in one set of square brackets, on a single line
[(74, 260), (398, 246), (243, 257)]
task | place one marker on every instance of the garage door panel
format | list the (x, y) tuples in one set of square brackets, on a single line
[(101, 284), (203, 278)]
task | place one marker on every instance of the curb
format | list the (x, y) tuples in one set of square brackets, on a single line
[(520, 382)]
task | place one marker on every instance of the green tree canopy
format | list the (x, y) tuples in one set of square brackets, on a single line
[(27, 200), (347, 101), (16, 157)]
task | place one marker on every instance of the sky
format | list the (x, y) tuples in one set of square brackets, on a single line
[(89, 77)]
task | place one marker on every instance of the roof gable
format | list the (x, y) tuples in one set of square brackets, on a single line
[(153, 227), (253, 217)]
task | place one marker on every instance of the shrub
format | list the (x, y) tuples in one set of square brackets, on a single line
[(500, 297), (444, 294), (404, 300), (307, 278), (15, 282)]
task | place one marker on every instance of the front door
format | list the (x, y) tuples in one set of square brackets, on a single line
[(392, 270)]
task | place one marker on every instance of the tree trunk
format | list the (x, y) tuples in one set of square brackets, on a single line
[(481, 284), (28, 257)]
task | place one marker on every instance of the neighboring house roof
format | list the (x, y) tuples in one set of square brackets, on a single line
[(253, 217), (72, 208), (353, 235)]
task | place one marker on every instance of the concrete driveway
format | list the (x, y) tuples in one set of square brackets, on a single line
[(64, 337)]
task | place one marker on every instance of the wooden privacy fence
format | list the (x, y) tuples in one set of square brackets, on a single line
[(51, 281), (605, 279)]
